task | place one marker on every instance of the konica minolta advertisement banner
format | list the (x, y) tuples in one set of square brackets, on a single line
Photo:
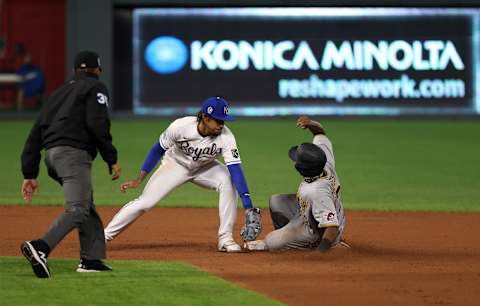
[(288, 61)]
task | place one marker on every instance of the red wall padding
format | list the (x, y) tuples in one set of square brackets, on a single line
[(40, 26)]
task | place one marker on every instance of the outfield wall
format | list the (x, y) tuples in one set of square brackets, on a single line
[(299, 60), (282, 57)]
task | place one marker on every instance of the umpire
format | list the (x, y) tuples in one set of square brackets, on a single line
[(71, 127)]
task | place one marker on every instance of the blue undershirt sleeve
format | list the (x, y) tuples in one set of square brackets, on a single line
[(240, 183), (153, 157)]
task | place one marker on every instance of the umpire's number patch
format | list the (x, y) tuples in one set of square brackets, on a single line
[(102, 99)]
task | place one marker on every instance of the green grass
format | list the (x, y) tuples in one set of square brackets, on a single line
[(384, 164), (130, 283)]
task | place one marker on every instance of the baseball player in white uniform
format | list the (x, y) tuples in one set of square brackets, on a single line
[(314, 217), (190, 147)]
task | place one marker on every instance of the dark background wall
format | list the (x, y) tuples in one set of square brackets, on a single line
[(122, 19), (54, 30), (226, 3), (89, 26)]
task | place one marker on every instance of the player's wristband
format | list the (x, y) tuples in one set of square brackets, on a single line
[(325, 244)]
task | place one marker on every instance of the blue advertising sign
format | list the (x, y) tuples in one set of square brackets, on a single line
[(290, 61)]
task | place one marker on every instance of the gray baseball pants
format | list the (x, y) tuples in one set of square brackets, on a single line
[(290, 232), (283, 208), (72, 168)]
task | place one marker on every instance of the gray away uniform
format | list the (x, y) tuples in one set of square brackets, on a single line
[(301, 220)]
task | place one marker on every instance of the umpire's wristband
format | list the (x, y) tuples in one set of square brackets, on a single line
[(325, 244)]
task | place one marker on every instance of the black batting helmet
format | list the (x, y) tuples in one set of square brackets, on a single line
[(309, 159)]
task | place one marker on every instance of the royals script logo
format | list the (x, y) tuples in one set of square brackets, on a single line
[(197, 153)]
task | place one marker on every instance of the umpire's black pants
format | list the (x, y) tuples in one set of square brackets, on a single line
[(72, 168)]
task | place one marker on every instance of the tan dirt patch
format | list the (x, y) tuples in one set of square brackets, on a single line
[(396, 259)]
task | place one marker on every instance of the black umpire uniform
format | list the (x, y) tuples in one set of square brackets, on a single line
[(73, 124)]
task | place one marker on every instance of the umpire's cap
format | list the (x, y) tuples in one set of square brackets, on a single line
[(87, 59), (217, 107), (309, 159)]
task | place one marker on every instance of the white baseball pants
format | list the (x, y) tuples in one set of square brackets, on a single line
[(171, 175)]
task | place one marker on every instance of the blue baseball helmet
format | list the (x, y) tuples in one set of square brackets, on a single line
[(217, 108)]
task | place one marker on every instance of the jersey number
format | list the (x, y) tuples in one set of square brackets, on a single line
[(102, 99)]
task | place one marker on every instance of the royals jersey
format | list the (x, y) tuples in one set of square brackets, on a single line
[(185, 145), (322, 195)]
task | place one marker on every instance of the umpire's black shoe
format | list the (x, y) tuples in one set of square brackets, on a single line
[(37, 258), (89, 265)]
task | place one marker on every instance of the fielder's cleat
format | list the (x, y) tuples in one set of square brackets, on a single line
[(230, 246), (37, 259), (87, 265), (256, 245)]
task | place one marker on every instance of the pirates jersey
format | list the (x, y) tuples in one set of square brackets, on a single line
[(322, 196)]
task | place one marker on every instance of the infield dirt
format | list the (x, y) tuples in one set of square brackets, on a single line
[(396, 258)]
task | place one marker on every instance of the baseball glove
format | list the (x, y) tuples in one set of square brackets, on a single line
[(253, 224)]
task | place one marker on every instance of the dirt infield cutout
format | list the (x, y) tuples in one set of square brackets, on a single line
[(396, 258)]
